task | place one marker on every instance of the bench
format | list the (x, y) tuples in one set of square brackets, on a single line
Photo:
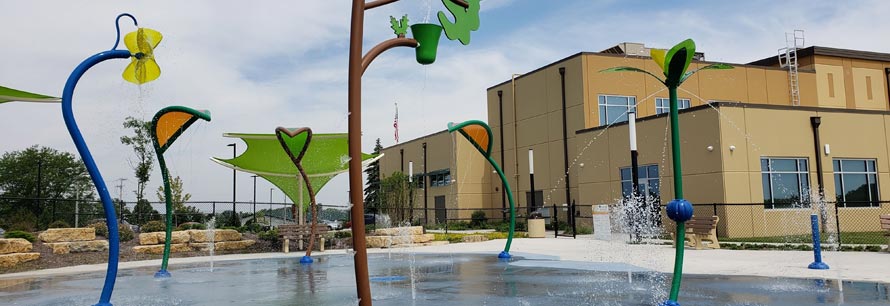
[(301, 233), (702, 228), (885, 225)]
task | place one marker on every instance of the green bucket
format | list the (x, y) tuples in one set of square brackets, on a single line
[(427, 36)]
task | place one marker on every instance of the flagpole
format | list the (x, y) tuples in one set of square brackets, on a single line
[(395, 124)]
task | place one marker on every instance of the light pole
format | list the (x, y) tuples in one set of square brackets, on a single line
[(234, 175), (254, 198), (270, 205), (531, 179)]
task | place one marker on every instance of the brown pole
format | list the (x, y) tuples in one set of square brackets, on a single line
[(356, 33)]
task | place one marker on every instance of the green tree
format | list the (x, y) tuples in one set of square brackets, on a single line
[(181, 212), (396, 194), (63, 179), (372, 191), (142, 146)]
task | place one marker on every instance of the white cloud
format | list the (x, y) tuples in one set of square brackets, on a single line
[(260, 65)]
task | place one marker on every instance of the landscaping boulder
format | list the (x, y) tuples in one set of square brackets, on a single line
[(473, 238), (78, 246), (222, 246), (399, 231), (218, 235), (160, 237), (11, 260), (159, 248), (68, 234), (14, 245)]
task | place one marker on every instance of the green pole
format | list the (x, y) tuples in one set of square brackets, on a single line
[(169, 202), (510, 199), (678, 192)]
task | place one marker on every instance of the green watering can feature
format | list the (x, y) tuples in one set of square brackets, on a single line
[(427, 36)]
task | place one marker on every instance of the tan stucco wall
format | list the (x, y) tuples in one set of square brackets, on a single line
[(858, 83)]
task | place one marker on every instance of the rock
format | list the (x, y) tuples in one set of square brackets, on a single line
[(223, 246), (78, 246), (158, 249), (10, 260), (176, 237), (474, 238), (68, 234), (14, 245), (218, 235), (399, 231), (148, 239), (378, 241)]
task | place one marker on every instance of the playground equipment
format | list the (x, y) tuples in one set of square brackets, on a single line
[(166, 126), (297, 141), (265, 157), (10, 95), (674, 64), (466, 20), (142, 68), (479, 134)]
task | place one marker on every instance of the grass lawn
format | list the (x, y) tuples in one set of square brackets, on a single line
[(846, 238)]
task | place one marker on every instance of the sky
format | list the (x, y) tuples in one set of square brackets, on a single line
[(257, 65)]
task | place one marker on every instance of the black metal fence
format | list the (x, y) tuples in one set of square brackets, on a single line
[(31, 214), (856, 223)]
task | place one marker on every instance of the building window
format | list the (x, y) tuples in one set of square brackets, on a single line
[(786, 182), (647, 178), (419, 181), (663, 105), (856, 182), (440, 178), (613, 109)]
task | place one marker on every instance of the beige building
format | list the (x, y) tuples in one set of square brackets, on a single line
[(748, 143)]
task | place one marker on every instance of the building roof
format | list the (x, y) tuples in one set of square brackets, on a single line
[(415, 139), (827, 51)]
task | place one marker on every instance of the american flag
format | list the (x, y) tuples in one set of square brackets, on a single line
[(395, 123)]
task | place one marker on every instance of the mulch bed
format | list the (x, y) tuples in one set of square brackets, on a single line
[(48, 260)]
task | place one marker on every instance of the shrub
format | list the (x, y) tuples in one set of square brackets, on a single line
[(19, 220), (270, 236), (153, 226), (251, 228), (124, 232), (59, 224), (101, 228), (343, 234), (191, 226), (20, 234), (478, 218)]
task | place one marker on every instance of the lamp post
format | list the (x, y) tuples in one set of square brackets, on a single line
[(531, 179), (234, 176), (254, 198)]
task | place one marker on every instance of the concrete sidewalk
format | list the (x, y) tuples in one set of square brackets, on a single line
[(857, 266)]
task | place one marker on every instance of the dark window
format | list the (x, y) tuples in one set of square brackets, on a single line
[(440, 178), (614, 109), (856, 182), (786, 182), (647, 178), (663, 105)]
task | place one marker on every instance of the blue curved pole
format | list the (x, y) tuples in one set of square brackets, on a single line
[(110, 216)]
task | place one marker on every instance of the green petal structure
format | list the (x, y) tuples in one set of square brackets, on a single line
[(677, 61), (326, 157), (10, 95), (466, 20)]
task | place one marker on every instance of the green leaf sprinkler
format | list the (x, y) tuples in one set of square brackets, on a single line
[(166, 126), (479, 134), (674, 64)]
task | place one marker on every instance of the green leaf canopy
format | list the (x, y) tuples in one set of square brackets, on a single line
[(326, 157)]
